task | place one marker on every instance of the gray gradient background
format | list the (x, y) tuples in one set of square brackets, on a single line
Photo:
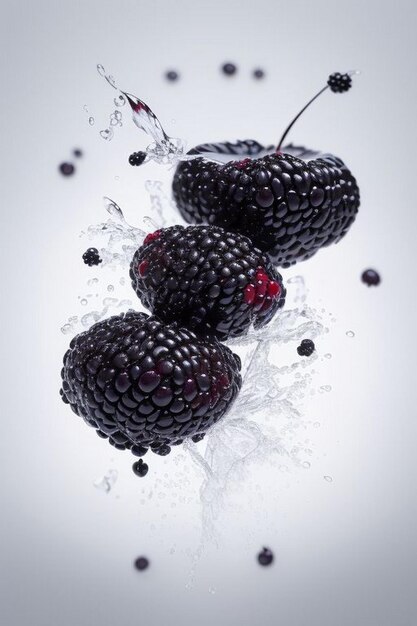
[(346, 550)]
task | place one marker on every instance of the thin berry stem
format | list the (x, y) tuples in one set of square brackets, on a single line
[(297, 116)]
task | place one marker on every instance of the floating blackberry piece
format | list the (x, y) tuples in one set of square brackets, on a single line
[(67, 169), (77, 153), (206, 279), (265, 557), (258, 73), (140, 468), (137, 158), (145, 384), (371, 278), (172, 75), (92, 257), (290, 203), (141, 563), (229, 69), (306, 348)]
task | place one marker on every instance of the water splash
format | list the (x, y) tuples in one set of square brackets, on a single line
[(245, 435), (106, 482)]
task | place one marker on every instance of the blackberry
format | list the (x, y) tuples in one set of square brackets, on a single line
[(141, 563), (339, 83), (171, 75), (207, 280), (371, 278), (265, 557), (306, 348), (140, 468), (137, 158), (229, 69), (145, 384), (92, 257), (67, 169), (289, 203)]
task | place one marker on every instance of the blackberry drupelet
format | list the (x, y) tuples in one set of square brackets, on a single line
[(289, 203), (206, 279), (339, 83), (145, 384), (137, 158), (306, 348), (92, 257), (265, 557), (371, 278), (140, 468)]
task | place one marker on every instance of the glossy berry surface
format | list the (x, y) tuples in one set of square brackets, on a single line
[(265, 557), (306, 348), (290, 204), (141, 563), (206, 279), (67, 169), (137, 158), (229, 69), (140, 468), (143, 384), (371, 278), (92, 257), (339, 83)]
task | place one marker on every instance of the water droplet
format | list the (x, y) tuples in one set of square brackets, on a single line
[(106, 482), (350, 333), (85, 108), (316, 424), (113, 208), (120, 101), (122, 281), (306, 464), (328, 356), (110, 288), (84, 301), (92, 281), (117, 178), (326, 387), (328, 479), (66, 328), (91, 121), (212, 590), (107, 134), (101, 70)]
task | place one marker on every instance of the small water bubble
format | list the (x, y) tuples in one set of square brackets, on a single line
[(66, 328), (316, 425), (117, 178), (113, 121), (212, 590), (306, 464), (110, 288), (85, 108), (120, 101), (122, 281), (328, 479), (84, 301), (106, 482), (92, 281), (326, 387), (117, 115), (91, 121), (107, 134), (350, 333), (328, 356)]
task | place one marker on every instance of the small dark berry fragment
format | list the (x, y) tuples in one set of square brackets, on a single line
[(137, 158), (67, 169), (92, 257), (258, 73), (371, 278), (265, 557), (140, 468), (339, 83), (141, 563), (207, 280), (172, 75), (229, 69), (306, 348), (78, 153)]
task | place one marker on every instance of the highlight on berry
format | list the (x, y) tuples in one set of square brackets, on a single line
[(92, 257)]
